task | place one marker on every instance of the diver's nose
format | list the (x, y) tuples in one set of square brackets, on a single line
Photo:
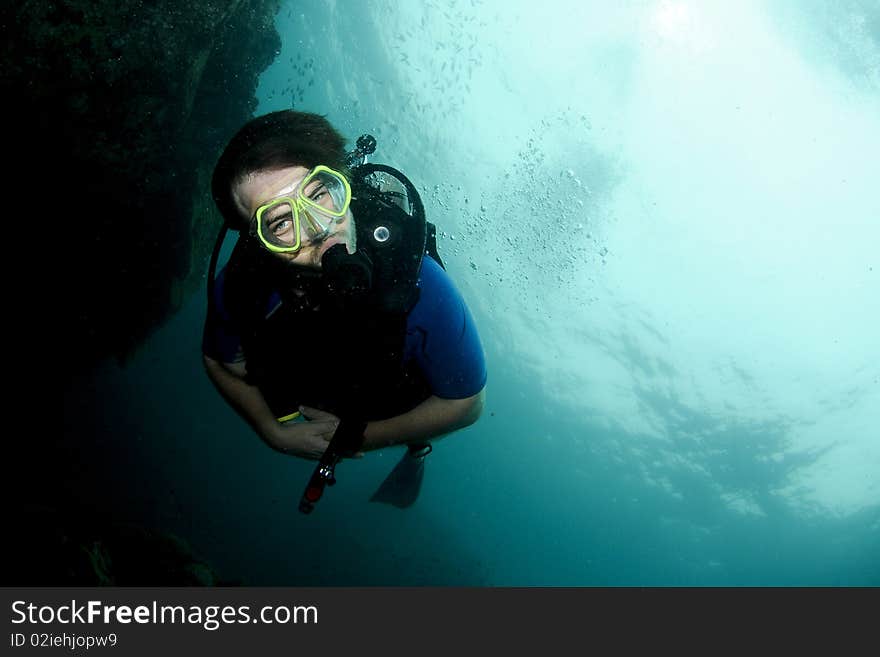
[(314, 229)]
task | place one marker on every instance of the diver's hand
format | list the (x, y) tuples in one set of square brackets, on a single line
[(315, 415), (308, 439)]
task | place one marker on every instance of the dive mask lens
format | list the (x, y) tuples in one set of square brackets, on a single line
[(325, 192), (278, 225)]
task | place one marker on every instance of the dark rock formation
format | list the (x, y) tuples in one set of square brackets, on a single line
[(51, 547), (115, 114)]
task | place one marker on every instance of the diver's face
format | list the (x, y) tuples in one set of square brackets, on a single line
[(255, 189)]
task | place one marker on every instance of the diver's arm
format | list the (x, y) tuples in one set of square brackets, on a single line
[(432, 418), (247, 400), (306, 440)]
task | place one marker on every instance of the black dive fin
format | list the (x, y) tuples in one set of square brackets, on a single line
[(402, 486)]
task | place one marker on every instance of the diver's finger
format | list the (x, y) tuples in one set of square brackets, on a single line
[(316, 413)]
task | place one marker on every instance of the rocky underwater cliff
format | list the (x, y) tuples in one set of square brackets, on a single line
[(115, 114)]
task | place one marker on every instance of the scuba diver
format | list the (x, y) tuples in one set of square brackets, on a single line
[(334, 329)]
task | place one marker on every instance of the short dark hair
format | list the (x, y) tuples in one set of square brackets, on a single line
[(279, 139)]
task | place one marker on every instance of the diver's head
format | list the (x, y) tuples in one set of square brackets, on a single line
[(278, 140)]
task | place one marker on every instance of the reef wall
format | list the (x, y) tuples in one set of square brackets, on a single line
[(115, 114)]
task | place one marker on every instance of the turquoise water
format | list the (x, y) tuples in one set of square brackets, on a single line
[(664, 218)]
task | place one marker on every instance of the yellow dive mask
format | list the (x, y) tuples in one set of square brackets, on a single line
[(287, 223)]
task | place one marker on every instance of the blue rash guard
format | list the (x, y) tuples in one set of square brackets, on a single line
[(441, 335)]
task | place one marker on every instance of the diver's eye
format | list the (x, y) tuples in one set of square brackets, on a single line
[(280, 225), (317, 193)]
